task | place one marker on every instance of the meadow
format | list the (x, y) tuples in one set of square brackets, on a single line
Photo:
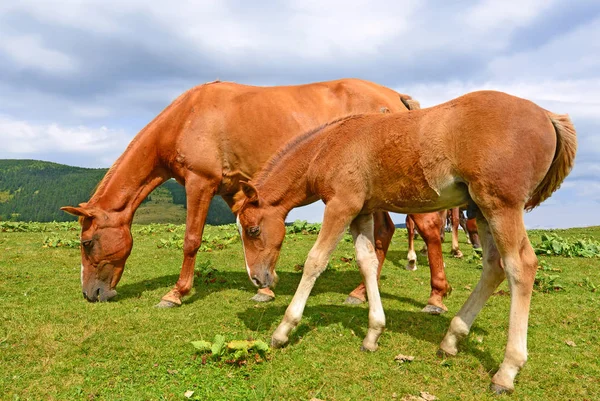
[(56, 346)]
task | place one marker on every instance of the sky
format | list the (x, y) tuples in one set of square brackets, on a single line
[(78, 79)]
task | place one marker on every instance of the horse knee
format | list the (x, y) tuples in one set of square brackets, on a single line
[(191, 244)]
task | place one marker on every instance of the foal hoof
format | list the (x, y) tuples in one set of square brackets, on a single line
[(444, 354), (261, 297), (370, 348), (353, 300), (499, 389), (433, 310), (278, 343), (166, 304)]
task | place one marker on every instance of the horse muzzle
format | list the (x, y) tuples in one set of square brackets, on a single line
[(99, 295)]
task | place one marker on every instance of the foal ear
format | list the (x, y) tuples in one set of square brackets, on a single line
[(77, 211), (250, 192)]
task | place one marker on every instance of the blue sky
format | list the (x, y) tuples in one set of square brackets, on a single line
[(78, 79)]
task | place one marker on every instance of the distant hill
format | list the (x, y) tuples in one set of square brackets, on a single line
[(33, 190)]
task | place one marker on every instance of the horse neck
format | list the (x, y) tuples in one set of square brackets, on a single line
[(135, 174)]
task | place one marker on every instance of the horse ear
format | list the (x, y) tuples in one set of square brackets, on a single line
[(77, 211), (410, 103), (250, 192)]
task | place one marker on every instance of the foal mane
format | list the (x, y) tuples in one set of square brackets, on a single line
[(239, 198), (297, 141)]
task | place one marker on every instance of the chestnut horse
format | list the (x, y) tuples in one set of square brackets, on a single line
[(518, 155), (207, 139)]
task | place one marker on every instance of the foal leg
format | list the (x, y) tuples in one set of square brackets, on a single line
[(454, 219), (383, 229), (366, 257), (520, 265), (199, 192), (428, 225), (412, 255), (491, 276), (335, 222)]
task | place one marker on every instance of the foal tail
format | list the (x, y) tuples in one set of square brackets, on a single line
[(564, 158)]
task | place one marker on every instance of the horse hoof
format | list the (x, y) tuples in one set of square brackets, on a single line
[(411, 266), (260, 297), (457, 254), (166, 304), (433, 310), (353, 300), (499, 389), (444, 354)]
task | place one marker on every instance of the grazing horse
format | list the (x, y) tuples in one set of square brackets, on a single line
[(519, 154), (207, 139), (428, 226)]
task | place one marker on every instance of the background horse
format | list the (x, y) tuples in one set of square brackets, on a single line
[(207, 139), (519, 154)]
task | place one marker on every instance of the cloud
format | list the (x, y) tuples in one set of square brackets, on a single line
[(29, 52), (70, 68), (21, 139)]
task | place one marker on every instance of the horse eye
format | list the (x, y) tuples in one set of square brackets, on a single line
[(87, 243), (254, 231)]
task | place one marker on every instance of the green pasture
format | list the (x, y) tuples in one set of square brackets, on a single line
[(56, 346)]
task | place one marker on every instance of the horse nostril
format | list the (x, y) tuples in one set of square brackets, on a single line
[(84, 295), (98, 293), (256, 281)]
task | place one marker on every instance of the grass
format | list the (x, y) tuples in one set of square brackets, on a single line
[(56, 346)]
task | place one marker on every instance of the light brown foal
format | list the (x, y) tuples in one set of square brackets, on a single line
[(415, 162)]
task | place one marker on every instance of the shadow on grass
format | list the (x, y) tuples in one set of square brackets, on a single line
[(416, 324), (338, 281)]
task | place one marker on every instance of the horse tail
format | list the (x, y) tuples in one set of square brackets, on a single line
[(564, 158)]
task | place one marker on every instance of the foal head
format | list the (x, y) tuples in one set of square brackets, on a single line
[(105, 245), (262, 228)]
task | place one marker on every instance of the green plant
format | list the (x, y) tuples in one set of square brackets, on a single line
[(234, 352), (554, 245), (58, 242), (303, 227)]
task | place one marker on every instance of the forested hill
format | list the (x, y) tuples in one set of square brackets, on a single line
[(33, 190)]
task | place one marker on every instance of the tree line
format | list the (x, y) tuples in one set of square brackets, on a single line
[(33, 190)]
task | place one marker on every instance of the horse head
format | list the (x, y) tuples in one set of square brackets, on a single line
[(106, 243), (262, 228)]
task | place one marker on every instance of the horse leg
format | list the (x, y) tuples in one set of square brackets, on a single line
[(366, 257), (454, 219), (462, 222), (335, 222), (199, 193), (444, 216), (428, 225), (491, 276), (412, 256), (473, 233), (383, 229)]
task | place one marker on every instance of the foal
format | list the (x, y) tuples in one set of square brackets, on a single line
[(414, 162)]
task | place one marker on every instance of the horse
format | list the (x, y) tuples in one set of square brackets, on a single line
[(208, 139), (415, 162)]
